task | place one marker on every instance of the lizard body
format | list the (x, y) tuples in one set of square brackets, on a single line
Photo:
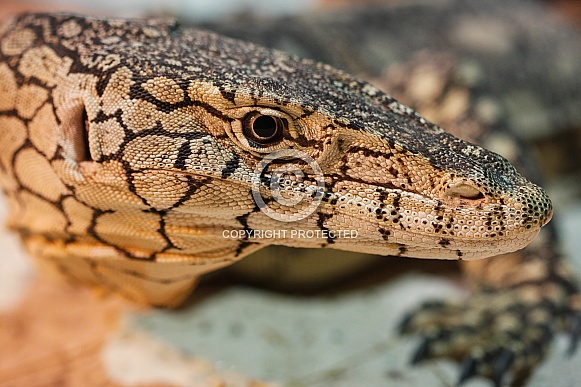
[(129, 147)]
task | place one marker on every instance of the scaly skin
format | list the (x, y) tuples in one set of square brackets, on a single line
[(127, 150)]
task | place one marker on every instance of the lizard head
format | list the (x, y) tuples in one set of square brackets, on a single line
[(155, 136), (403, 184)]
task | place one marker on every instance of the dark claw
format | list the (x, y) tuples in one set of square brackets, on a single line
[(467, 369), (503, 363), (575, 333), (422, 351), (433, 304), (403, 325)]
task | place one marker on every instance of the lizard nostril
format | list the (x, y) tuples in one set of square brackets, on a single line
[(465, 191)]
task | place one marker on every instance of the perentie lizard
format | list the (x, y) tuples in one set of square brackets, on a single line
[(129, 148)]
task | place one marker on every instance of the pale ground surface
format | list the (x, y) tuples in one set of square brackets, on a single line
[(236, 336)]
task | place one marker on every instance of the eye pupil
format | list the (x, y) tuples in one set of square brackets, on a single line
[(263, 129)]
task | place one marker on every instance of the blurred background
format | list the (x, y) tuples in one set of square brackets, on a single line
[(205, 10), (234, 334)]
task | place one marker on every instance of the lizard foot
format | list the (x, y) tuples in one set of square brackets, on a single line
[(498, 331)]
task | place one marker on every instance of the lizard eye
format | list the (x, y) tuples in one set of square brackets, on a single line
[(263, 129)]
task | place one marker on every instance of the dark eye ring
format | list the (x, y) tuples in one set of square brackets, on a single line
[(263, 129)]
